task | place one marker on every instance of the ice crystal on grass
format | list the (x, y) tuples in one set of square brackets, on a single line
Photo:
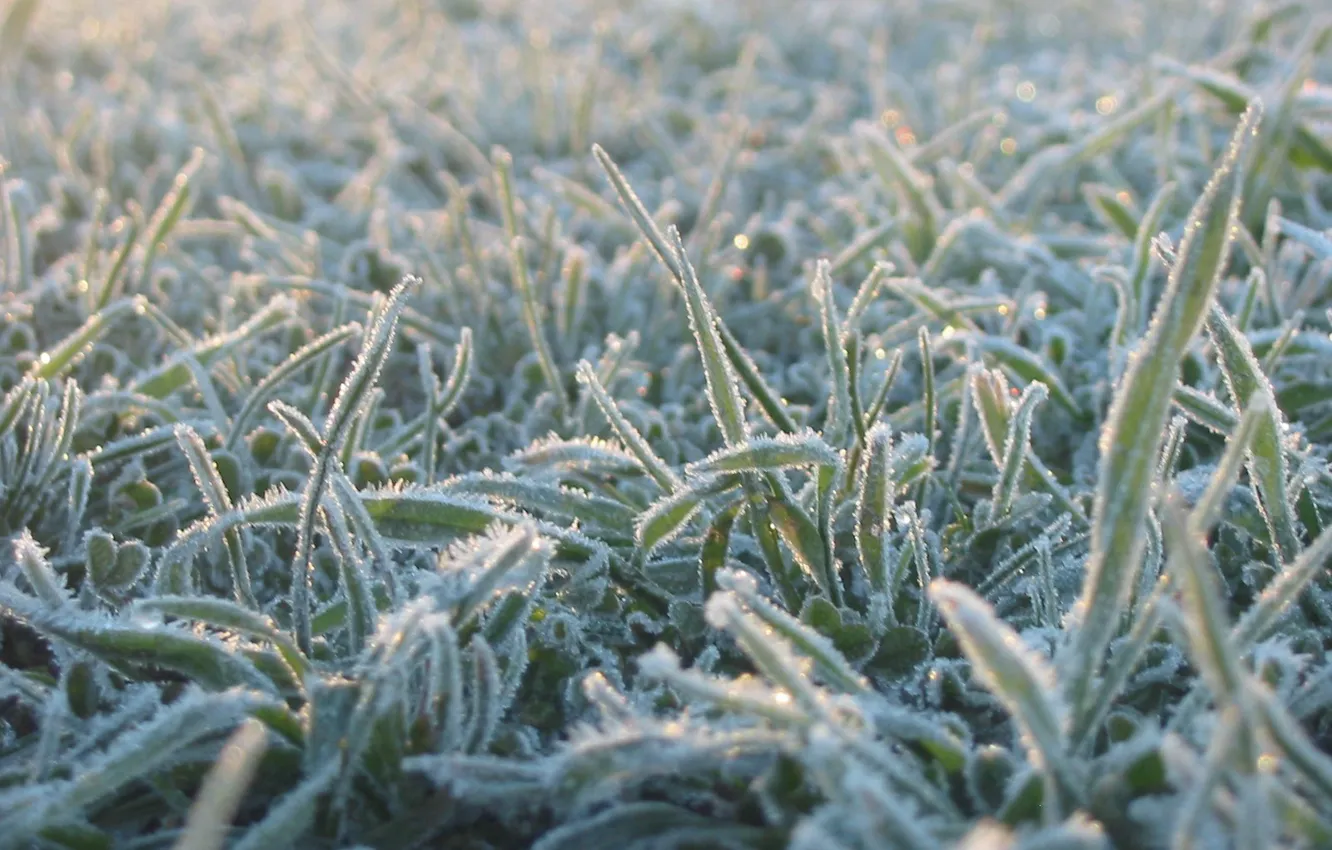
[(798, 430)]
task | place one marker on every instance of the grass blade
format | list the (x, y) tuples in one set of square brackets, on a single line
[(1136, 422)]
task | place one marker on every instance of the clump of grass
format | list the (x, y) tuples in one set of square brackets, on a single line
[(853, 427)]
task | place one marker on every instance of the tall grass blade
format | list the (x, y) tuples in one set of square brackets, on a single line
[(1132, 434)]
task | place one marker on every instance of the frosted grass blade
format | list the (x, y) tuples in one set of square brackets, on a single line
[(1204, 409), (639, 214), (204, 661), (168, 214), (1021, 680), (1266, 459), (1211, 645), (874, 506), (667, 517), (31, 558), (723, 393), (768, 454), (218, 501), (1206, 511), (304, 356), (1017, 446), (865, 295), (532, 318), (897, 172), (1283, 590), (1149, 226), (768, 400), (839, 399), (227, 616), (1133, 431), (830, 665), (69, 351), (627, 433)]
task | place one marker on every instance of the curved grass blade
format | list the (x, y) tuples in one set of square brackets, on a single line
[(168, 214), (1139, 412), (304, 356), (1021, 680), (218, 501), (1148, 229), (1267, 460), (544, 497), (204, 661), (628, 434), (724, 395), (830, 665), (175, 373), (1017, 447), (839, 398), (219, 797), (228, 616), (71, 349), (667, 517), (768, 454)]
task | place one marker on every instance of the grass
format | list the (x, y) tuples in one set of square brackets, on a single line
[(665, 425)]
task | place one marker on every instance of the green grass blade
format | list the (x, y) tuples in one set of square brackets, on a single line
[(1138, 414), (1021, 680), (1267, 460)]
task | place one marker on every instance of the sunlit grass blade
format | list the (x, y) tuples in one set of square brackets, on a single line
[(41, 577), (830, 665), (1136, 421), (638, 213), (69, 351), (220, 796), (666, 517), (865, 295), (175, 373)]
